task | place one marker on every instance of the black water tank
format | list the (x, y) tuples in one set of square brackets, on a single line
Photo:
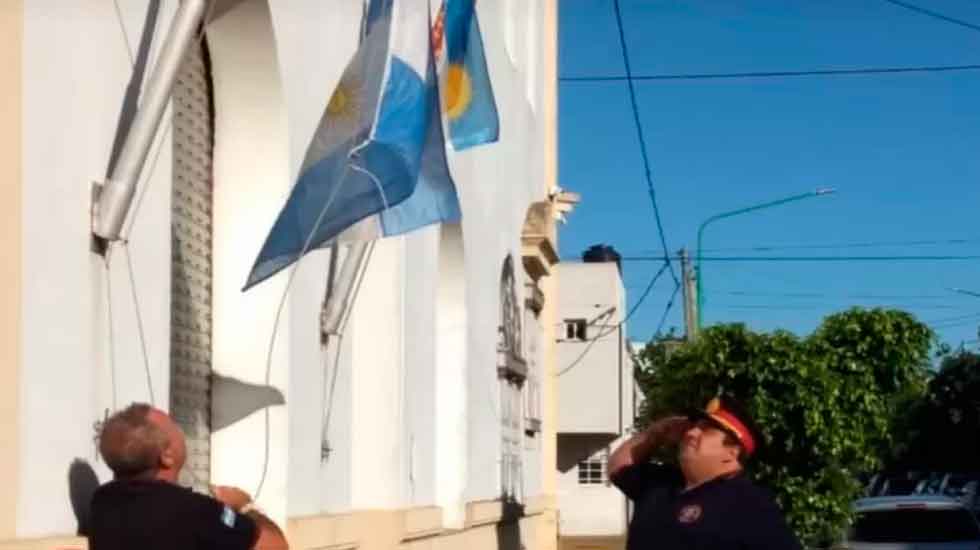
[(603, 253)]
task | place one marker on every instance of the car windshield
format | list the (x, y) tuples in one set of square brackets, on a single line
[(918, 525)]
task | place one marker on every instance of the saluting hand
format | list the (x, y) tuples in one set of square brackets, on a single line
[(671, 429)]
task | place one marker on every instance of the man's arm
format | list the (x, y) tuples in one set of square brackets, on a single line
[(269, 536), (639, 449)]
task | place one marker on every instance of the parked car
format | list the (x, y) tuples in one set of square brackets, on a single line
[(964, 488), (912, 522)]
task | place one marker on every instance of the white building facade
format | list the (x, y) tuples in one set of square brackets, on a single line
[(597, 405), (429, 422)]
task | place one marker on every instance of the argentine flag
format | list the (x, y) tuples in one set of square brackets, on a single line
[(376, 165), (466, 88)]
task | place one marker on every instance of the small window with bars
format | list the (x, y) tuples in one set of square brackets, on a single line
[(576, 329), (592, 471)]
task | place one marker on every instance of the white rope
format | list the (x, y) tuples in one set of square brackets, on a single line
[(125, 35), (144, 187), (275, 323), (112, 344), (139, 323)]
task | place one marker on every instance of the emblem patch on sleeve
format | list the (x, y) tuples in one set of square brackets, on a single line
[(689, 514), (228, 517)]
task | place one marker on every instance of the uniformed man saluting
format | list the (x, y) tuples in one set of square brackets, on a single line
[(707, 503)]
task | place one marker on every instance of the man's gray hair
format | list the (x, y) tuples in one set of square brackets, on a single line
[(130, 443)]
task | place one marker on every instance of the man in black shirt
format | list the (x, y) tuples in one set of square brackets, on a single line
[(706, 503), (144, 508)]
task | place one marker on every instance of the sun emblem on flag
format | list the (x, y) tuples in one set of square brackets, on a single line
[(345, 102), (341, 119), (459, 90)]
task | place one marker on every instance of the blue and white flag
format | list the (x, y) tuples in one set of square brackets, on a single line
[(467, 92), (377, 159)]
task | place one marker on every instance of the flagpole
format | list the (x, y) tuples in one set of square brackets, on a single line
[(115, 195)]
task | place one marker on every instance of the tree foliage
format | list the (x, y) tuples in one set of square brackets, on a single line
[(943, 428), (826, 404)]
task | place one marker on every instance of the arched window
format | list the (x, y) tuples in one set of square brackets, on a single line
[(512, 372)]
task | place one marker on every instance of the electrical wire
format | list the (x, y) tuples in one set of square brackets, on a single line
[(956, 318), (859, 296), (775, 74), (869, 244), (811, 258), (670, 305), (934, 14), (643, 145)]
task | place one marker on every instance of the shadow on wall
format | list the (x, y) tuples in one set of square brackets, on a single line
[(574, 448), (82, 483), (509, 528)]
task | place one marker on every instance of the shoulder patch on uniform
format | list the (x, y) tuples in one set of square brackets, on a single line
[(228, 517), (689, 514)]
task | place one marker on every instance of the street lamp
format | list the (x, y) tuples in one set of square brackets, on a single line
[(700, 291), (964, 291)]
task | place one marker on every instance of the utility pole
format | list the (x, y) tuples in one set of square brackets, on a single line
[(690, 296)]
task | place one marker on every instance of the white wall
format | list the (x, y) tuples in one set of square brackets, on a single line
[(251, 172), (594, 390), (597, 397), (587, 510), (76, 70)]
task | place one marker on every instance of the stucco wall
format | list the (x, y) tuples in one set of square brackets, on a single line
[(587, 510), (597, 397), (11, 36), (75, 73), (592, 390)]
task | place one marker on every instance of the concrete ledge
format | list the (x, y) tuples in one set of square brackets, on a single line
[(421, 522), (592, 543), (53, 543), (333, 532), (483, 512), (540, 504)]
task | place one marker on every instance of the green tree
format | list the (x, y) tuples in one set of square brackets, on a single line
[(943, 428), (825, 404)]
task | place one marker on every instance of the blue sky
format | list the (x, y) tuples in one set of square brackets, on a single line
[(903, 152)]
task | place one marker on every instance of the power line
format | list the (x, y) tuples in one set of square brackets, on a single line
[(768, 307), (642, 139), (812, 258), (670, 305), (812, 306), (934, 14), (956, 318), (867, 244), (858, 296), (775, 74)]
